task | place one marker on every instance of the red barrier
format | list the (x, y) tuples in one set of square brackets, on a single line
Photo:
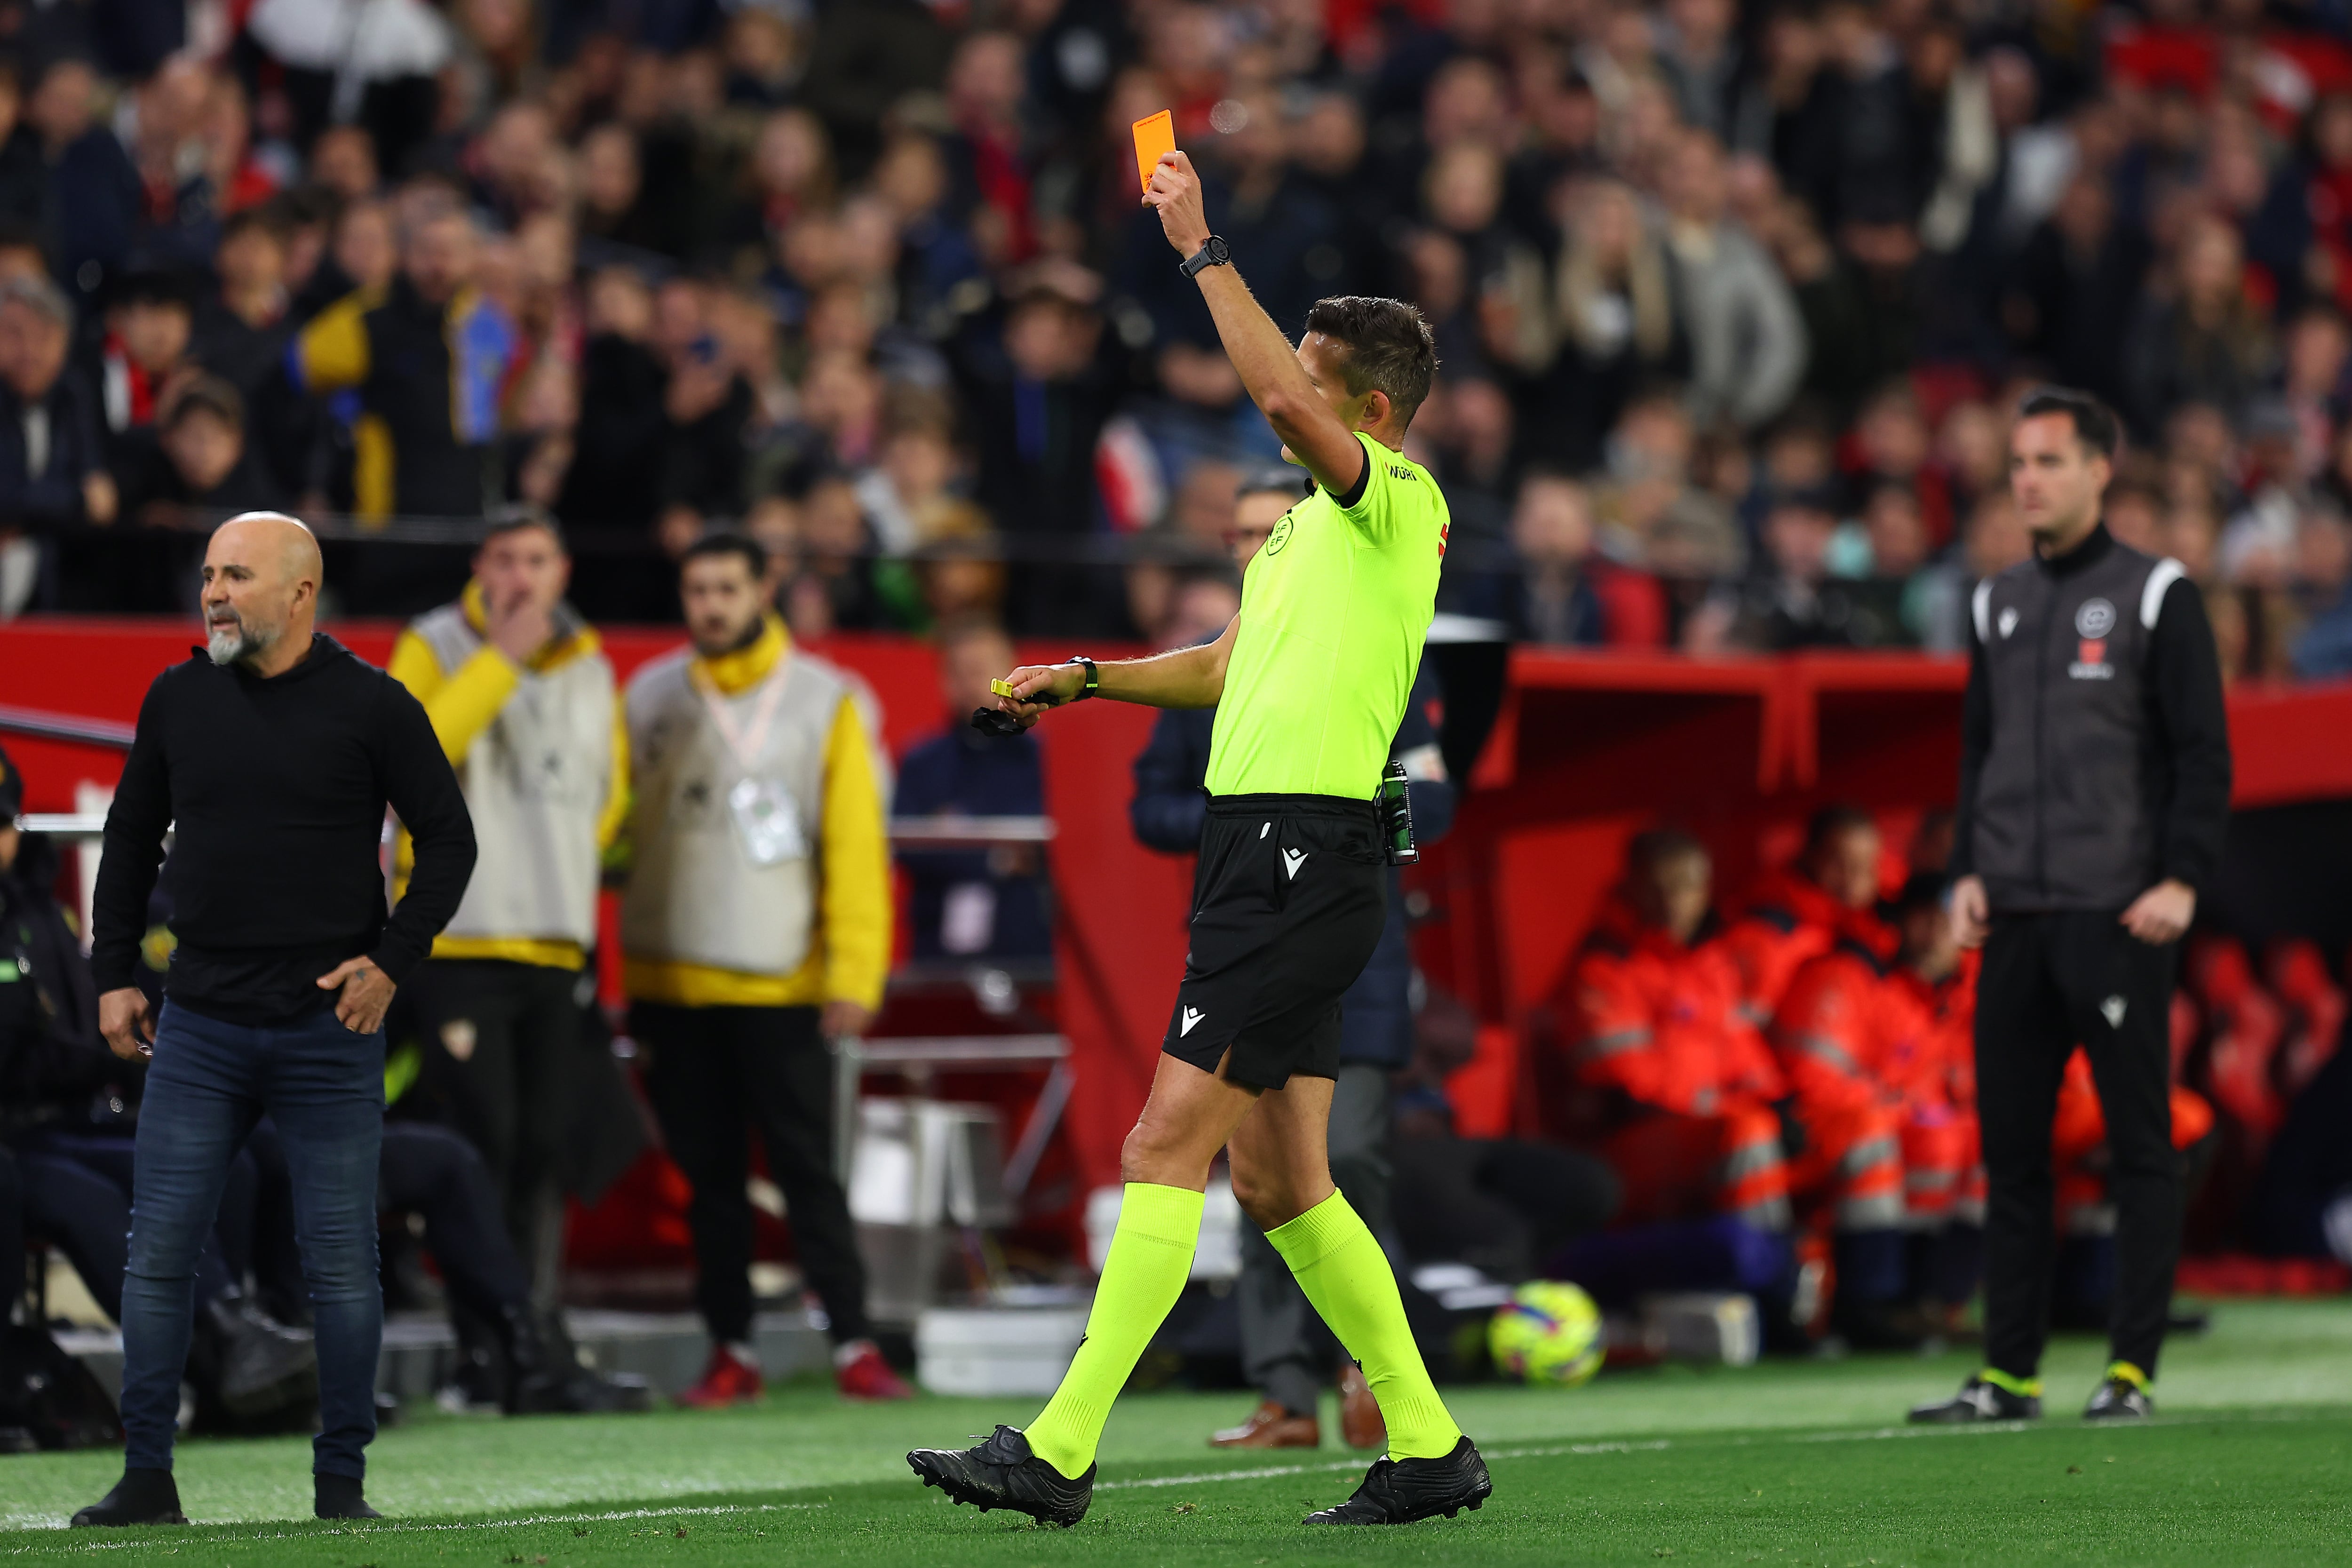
[(1590, 749)]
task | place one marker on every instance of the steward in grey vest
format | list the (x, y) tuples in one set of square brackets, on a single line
[(2092, 767)]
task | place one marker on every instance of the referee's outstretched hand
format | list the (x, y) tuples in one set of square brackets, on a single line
[(1037, 687)]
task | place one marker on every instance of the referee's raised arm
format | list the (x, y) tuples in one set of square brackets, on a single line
[(1280, 379)]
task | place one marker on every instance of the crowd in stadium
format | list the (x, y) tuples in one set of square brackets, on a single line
[(1731, 301)]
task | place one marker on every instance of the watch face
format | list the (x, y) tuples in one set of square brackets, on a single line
[(1219, 251)]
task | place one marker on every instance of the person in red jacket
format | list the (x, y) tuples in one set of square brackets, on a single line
[(1858, 1038), (1798, 912), (1874, 1039), (1672, 1083)]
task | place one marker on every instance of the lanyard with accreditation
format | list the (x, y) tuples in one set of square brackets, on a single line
[(767, 818)]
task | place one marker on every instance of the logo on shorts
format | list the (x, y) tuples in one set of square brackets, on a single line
[(1279, 537), (1191, 1017), (1294, 858), (2113, 1007)]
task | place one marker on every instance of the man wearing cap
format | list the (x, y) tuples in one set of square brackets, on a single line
[(523, 701)]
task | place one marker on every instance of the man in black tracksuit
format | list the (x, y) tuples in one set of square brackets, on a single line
[(2094, 787)]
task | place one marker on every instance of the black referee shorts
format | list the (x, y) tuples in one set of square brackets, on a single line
[(1288, 904)]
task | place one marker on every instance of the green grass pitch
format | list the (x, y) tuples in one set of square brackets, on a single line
[(1782, 1464)]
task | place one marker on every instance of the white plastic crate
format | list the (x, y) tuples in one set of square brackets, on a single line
[(996, 1349)]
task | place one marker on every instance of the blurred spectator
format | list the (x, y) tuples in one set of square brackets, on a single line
[(1559, 590), (99, 197), (2210, 343), (959, 570), (239, 330), (2072, 291), (28, 199), (150, 318), (52, 460), (991, 903), (1794, 601), (1618, 322), (2325, 647), (1748, 343), (428, 360), (195, 462)]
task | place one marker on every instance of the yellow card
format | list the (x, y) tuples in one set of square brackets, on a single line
[(1153, 137)]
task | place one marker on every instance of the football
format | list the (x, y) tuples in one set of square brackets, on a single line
[(1548, 1332)]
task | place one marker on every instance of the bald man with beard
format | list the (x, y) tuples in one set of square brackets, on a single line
[(270, 755)]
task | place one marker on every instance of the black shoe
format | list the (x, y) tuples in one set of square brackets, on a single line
[(1398, 1491), (338, 1497), (1978, 1401), (140, 1496), (2119, 1398), (263, 1366), (544, 1376), (580, 1392), (1003, 1473)]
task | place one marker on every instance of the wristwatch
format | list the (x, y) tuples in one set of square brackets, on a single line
[(1094, 676), (1216, 253)]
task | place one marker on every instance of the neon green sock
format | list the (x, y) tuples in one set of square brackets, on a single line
[(2129, 1374), (1346, 1278), (2023, 1388), (1151, 1256)]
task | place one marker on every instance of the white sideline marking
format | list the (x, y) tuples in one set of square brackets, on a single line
[(400, 1527), (1265, 1472)]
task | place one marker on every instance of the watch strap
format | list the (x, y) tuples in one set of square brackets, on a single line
[(1213, 252), (1094, 676)]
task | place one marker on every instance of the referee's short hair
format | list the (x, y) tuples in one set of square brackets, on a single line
[(1390, 347), (2095, 425)]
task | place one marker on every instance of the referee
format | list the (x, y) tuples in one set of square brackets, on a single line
[(1310, 682), (2095, 786)]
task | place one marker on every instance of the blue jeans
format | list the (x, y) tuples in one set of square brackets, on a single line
[(322, 1086)]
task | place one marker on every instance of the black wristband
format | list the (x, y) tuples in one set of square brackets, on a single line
[(1094, 676)]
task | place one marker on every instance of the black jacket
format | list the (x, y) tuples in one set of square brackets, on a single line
[(2094, 743), (50, 1054), (1171, 803), (274, 791), (50, 499)]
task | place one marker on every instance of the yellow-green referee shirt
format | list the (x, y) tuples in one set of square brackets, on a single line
[(1334, 609)]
